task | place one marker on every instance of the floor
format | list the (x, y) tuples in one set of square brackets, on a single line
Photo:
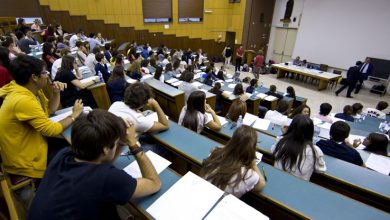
[(315, 97)]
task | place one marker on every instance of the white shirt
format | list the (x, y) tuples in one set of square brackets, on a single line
[(373, 112), (277, 118), (250, 180), (73, 40), (307, 163), (93, 43), (54, 68), (90, 62), (364, 68), (142, 124), (203, 120)]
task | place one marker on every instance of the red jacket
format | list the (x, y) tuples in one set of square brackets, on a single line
[(5, 77)]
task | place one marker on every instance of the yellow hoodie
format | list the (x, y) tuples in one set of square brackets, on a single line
[(23, 124)]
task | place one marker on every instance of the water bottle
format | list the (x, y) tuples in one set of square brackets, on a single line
[(254, 93), (100, 76), (239, 121), (33, 51)]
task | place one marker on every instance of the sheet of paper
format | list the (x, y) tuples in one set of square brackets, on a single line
[(178, 75), (172, 80), (230, 76), (146, 76), (197, 71), (361, 147), (259, 156), (325, 125), (232, 208), (270, 98), (221, 119), (87, 80), (231, 85), (197, 84), (324, 133), (177, 83), (159, 163), (261, 95), (198, 75), (189, 198), (131, 81), (61, 116), (249, 119), (261, 124), (379, 163), (227, 93), (126, 61)]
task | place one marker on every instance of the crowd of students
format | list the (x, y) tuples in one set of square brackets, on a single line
[(80, 182)]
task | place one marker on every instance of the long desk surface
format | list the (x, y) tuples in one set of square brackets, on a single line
[(282, 188), (352, 177)]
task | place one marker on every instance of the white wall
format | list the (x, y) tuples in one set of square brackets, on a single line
[(339, 32), (280, 8)]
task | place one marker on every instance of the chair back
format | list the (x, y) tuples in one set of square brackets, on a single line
[(324, 67), (338, 72)]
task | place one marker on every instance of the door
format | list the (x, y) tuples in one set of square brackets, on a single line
[(284, 44)]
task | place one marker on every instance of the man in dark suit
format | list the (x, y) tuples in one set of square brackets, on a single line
[(365, 70), (353, 76)]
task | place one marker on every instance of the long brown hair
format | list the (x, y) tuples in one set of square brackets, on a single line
[(118, 72), (226, 162), (66, 64), (237, 108)]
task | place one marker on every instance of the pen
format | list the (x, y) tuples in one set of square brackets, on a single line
[(265, 176)]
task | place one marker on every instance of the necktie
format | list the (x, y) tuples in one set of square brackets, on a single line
[(364, 65)]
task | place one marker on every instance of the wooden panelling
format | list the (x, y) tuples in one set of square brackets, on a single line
[(72, 23), (20, 8)]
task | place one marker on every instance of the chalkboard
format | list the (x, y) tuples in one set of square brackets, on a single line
[(381, 68)]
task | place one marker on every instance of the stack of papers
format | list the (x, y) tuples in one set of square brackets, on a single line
[(131, 81), (159, 163), (172, 80), (191, 197), (270, 98), (256, 122), (379, 163), (227, 92), (261, 95), (231, 85), (177, 83), (62, 116), (232, 208)]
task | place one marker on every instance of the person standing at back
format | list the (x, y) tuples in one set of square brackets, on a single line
[(352, 78), (239, 55), (227, 53), (258, 64), (365, 70)]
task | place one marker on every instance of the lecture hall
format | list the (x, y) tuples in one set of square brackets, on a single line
[(194, 109)]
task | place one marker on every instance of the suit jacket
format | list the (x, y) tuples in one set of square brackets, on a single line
[(369, 71), (353, 74)]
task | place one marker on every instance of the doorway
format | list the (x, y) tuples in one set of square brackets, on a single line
[(284, 44)]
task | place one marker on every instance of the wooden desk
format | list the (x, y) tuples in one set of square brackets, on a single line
[(323, 77), (100, 94)]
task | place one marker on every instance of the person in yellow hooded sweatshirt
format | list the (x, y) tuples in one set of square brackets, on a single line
[(24, 122)]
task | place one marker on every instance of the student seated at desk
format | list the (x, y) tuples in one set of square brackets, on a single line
[(5, 76), (301, 110), (134, 71), (347, 114), (233, 167), (102, 67), (295, 152), (158, 74), (290, 92), (337, 146), (138, 96), (25, 129), (325, 109), (48, 54), (81, 182), (193, 115), (220, 75), (57, 62), (90, 61), (187, 87), (107, 52), (378, 111), (82, 52), (117, 84), (75, 89), (272, 91), (278, 116), (239, 92), (252, 87), (209, 79), (357, 109), (245, 82), (170, 73), (376, 143), (218, 93), (237, 108)]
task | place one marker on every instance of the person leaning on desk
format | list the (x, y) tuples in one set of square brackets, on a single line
[(81, 182), (24, 124)]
